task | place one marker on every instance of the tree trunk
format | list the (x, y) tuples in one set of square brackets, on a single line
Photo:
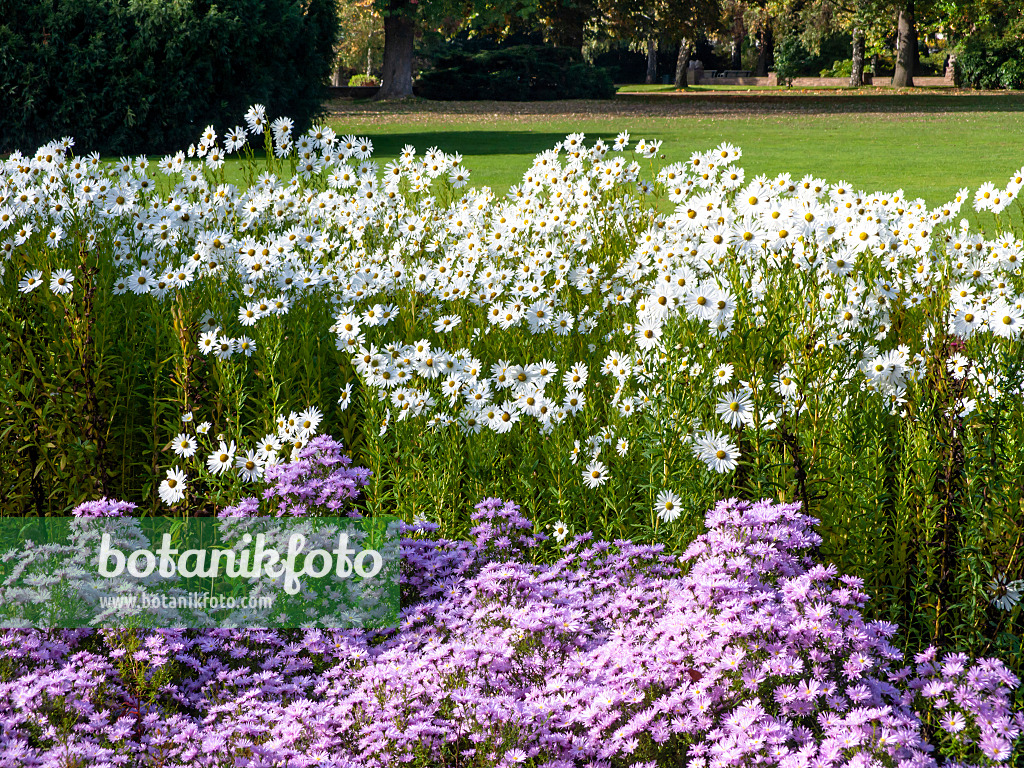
[(652, 60), (766, 54), (857, 73), (682, 63), (399, 35), (736, 47), (906, 42)]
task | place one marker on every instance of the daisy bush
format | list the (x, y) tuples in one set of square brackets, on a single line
[(742, 651), (613, 343)]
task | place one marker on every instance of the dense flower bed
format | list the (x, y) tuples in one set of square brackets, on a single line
[(743, 651), (611, 366)]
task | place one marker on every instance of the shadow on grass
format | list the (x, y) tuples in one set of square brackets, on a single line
[(474, 143)]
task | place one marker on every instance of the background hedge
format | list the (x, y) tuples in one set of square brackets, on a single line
[(517, 73), (123, 75)]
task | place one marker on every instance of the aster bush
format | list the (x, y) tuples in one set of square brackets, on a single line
[(742, 651), (320, 480)]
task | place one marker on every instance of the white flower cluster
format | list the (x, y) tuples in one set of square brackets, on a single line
[(293, 432), (521, 309)]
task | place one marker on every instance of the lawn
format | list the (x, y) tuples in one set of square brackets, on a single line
[(931, 142), (662, 88)]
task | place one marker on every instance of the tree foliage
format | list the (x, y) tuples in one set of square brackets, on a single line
[(404, 20), (667, 20), (360, 36)]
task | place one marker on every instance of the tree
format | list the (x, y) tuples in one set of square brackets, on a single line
[(732, 17), (857, 66), (990, 18), (759, 19), (564, 22), (403, 19), (399, 39), (906, 46), (825, 17), (687, 21), (677, 21), (683, 63), (652, 58), (870, 22), (765, 43)]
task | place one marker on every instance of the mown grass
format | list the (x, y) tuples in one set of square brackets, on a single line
[(662, 88), (930, 143), (866, 90)]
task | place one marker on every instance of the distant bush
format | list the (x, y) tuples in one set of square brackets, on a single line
[(789, 58), (794, 59), (839, 69), (932, 64), (990, 63), (519, 73), (1011, 75), (357, 81), (123, 75)]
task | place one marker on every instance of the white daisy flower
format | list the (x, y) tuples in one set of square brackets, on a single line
[(595, 474), (221, 459), (249, 466), (184, 445), (716, 451), (668, 506), (32, 280), (735, 408), (172, 489), (560, 531), (61, 281)]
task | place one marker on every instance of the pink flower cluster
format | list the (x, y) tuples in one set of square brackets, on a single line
[(320, 481), (510, 652)]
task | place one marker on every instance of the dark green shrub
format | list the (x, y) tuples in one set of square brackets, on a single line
[(518, 73), (789, 57), (120, 75), (990, 63), (1011, 75)]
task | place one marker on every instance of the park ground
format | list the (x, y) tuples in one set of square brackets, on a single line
[(929, 142)]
